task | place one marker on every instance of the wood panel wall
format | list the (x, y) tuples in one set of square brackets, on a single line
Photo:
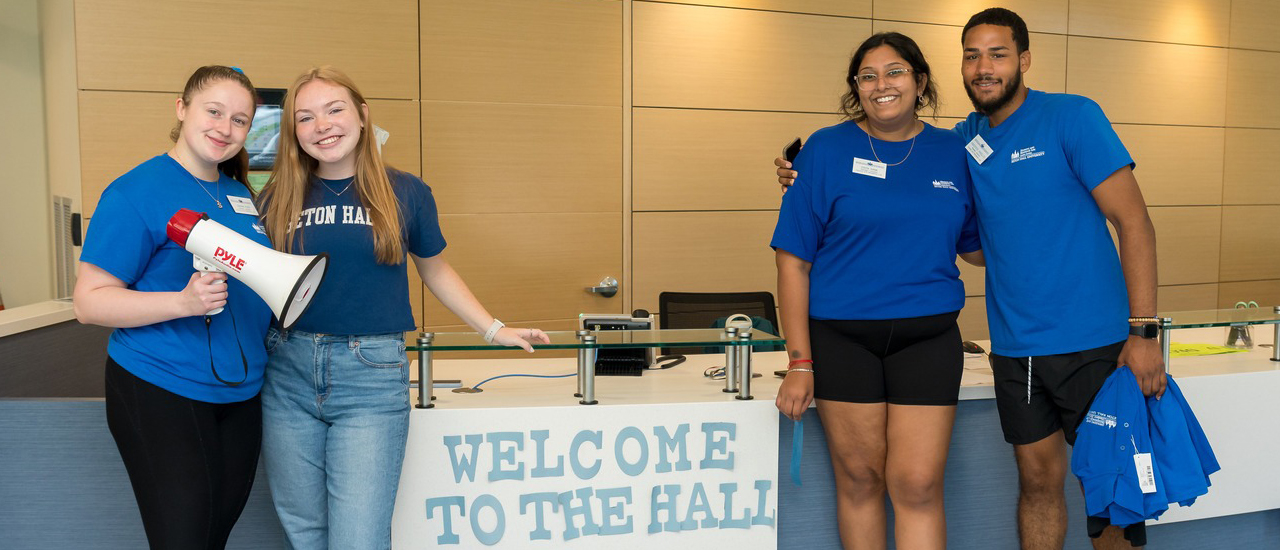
[(1187, 84), (568, 140)]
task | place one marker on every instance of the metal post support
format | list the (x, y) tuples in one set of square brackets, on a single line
[(1275, 343), (582, 363), (730, 361), (744, 365), (588, 367), (1166, 337), (425, 385)]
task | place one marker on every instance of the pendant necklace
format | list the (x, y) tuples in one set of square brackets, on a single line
[(904, 159), (201, 183), (338, 193)]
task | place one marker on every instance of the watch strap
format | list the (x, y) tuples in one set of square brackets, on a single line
[(1149, 330)]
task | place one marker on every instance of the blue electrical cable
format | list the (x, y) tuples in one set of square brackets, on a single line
[(525, 375)]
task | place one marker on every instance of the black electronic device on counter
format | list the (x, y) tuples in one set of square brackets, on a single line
[(625, 361)]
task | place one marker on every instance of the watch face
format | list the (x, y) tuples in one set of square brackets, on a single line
[(1148, 331)]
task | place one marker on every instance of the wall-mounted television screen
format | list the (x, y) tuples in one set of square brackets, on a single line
[(265, 132)]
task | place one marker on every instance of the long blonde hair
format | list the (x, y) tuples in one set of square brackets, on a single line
[(294, 170)]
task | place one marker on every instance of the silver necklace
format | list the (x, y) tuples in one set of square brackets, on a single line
[(202, 187), (338, 193), (904, 159)]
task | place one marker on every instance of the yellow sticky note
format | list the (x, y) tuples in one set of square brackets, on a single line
[(1195, 350)]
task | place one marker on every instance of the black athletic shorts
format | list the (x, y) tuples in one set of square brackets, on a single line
[(1037, 396), (912, 361)]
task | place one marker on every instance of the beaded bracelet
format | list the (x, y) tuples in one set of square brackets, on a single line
[(799, 369)]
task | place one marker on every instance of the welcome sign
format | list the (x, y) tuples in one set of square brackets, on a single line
[(626, 476)]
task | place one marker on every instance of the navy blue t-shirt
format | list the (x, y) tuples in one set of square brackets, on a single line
[(1054, 283), (359, 295), (880, 248), (127, 239)]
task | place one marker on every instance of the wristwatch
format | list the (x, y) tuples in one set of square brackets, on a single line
[(1148, 331)]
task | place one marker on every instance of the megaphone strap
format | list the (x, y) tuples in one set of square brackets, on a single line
[(208, 320)]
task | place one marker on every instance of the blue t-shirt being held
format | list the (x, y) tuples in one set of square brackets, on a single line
[(881, 248), (359, 295), (1054, 283), (127, 239)]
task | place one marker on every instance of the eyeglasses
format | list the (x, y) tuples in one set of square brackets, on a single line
[(892, 77)]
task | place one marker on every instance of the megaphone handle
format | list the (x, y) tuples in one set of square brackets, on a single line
[(206, 267)]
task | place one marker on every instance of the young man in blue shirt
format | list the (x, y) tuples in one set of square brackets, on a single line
[(1048, 173)]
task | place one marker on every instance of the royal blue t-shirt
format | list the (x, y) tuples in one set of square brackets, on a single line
[(127, 239), (1182, 452), (880, 248), (359, 295), (1054, 283), (1117, 427)]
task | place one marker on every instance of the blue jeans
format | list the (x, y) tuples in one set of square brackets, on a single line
[(335, 416)]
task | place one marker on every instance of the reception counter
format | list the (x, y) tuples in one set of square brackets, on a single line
[(666, 459)]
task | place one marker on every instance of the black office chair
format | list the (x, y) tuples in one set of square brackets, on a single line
[(709, 310)]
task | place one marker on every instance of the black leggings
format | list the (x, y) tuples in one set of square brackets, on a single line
[(191, 463)]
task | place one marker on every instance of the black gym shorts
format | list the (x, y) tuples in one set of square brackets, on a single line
[(1061, 388), (912, 361)]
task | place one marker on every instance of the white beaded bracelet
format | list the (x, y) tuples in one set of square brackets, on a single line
[(798, 369), (493, 331)]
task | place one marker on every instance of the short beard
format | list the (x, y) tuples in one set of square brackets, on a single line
[(1006, 95)]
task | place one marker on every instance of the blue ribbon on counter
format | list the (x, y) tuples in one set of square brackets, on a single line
[(797, 449)]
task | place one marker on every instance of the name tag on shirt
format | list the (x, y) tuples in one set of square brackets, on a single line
[(979, 149), (242, 205), (1146, 473), (870, 168)]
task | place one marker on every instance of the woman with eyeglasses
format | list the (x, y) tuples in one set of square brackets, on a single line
[(866, 246)]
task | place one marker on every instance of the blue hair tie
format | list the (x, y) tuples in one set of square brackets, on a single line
[(238, 70)]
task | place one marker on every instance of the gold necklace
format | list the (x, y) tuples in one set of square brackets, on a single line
[(201, 183), (904, 159)]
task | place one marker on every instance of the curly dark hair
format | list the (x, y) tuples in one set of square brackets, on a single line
[(851, 106)]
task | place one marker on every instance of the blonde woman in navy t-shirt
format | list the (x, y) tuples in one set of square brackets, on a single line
[(869, 290), (335, 400)]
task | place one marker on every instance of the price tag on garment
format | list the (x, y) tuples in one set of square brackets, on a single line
[(979, 149), (1146, 473), (242, 205), (870, 168)]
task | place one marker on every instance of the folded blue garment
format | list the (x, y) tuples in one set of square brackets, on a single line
[(1121, 422)]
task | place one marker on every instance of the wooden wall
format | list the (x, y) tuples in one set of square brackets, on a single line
[(1187, 83), (569, 140)]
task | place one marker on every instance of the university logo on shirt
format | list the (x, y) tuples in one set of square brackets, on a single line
[(327, 215), (1024, 154), (1101, 419), (945, 185)]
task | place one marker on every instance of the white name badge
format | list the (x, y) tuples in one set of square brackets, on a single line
[(870, 168), (1146, 473), (242, 205), (979, 149)]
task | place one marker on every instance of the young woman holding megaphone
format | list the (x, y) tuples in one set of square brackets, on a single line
[(336, 397), (181, 388)]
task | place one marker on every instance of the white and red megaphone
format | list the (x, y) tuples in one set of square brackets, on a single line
[(286, 282)]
